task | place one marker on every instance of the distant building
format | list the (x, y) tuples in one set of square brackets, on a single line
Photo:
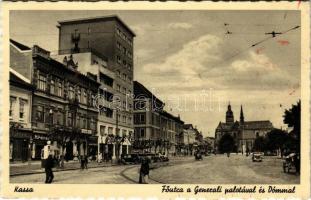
[(187, 140), (243, 132), (155, 129)]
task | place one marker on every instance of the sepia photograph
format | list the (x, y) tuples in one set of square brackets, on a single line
[(154, 97)]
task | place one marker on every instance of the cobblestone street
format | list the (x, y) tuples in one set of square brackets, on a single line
[(219, 169)]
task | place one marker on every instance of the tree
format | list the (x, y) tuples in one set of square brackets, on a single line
[(260, 144), (226, 143), (277, 139), (292, 117)]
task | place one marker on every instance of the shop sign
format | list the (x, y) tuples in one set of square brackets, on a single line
[(40, 137), (86, 131)]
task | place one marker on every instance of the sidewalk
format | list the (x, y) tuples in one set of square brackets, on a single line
[(35, 167)]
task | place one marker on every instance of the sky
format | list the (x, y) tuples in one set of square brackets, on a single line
[(187, 59)]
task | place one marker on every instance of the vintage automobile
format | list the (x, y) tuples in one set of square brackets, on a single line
[(198, 156), (289, 163), (130, 159), (257, 156), (163, 158)]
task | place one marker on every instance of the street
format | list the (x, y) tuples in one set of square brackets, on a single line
[(213, 169)]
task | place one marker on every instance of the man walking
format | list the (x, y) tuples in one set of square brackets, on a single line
[(144, 171), (48, 169)]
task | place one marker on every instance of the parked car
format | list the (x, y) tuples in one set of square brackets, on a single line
[(257, 156), (130, 159), (163, 158), (198, 156)]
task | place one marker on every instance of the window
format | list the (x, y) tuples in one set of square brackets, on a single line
[(69, 119), (129, 78), (124, 62), (93, 124), (83, 119), (119, 117), (118, 87), (129, 66), (124, 50), (78, 121), (119, 59), (118, 73), (129, 120), (88, 30), (108, 96), (102, 130), (124, 104), (142, 133), (123, 132), (12, 104), (22, 104), (71, 92), (139, 118), (59, 88), (84, 97), (42, 82), (110, 130), (124, 119), (106, 79), (79, 95), (124, 76), (118, 45), (52, 87), (40, 114), (124, 90), (59, 118)]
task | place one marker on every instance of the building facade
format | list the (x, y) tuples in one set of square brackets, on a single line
[(109, 43), (243, 132), (155, 129), (20, 117), (63, 109)]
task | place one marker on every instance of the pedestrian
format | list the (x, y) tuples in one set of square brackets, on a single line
[(297, 163), (144, 171), (86, 160), (82, 161), (49, 164)]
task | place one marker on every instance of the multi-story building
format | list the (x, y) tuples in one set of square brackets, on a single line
[(20, 117), (147, 109), (155, 129), (188, 139), (109, 42), (63, 108)]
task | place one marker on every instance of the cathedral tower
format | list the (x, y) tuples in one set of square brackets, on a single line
[(229, 115), (241, 116)]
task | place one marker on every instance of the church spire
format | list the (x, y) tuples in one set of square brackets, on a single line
[(229, 115), (241, 115)]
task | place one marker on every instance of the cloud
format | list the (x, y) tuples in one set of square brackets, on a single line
[(180, 25), (201, 64)]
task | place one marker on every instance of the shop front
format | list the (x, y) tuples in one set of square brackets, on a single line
[(20, 144), (92, 147), (39, 141)]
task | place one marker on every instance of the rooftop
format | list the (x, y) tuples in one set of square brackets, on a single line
[(96, 19), (19, 45)]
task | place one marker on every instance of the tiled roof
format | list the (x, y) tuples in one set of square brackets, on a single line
[(266, 124)]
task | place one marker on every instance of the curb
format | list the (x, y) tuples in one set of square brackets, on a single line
[(68, 169)]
